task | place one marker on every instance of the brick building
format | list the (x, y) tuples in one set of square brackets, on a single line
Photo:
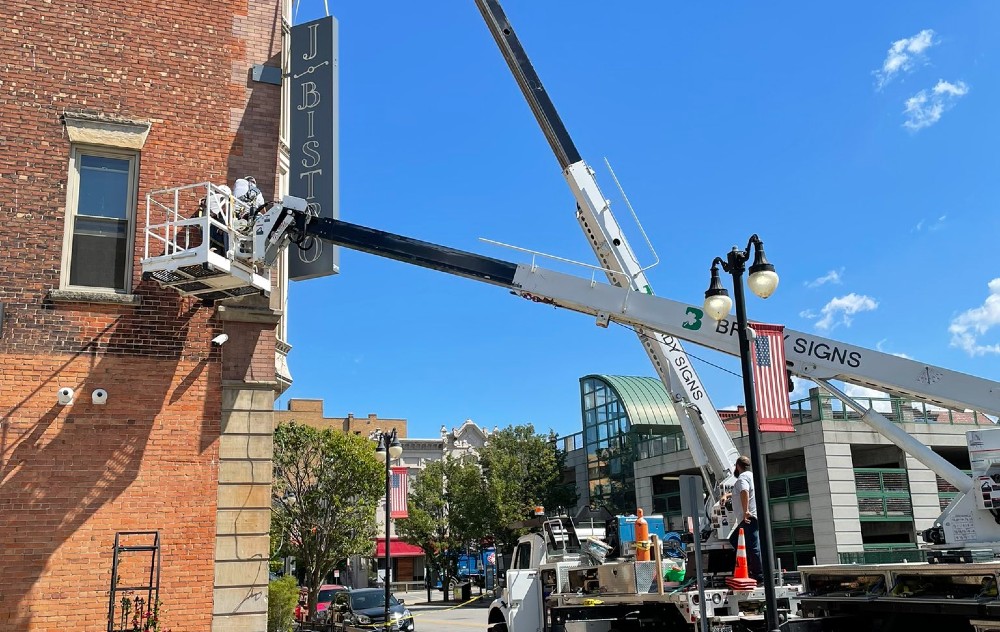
[(838, 490), (309, 412), (460, 442), (101, 102)]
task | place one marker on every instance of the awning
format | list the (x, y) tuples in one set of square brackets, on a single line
[(397, 548)]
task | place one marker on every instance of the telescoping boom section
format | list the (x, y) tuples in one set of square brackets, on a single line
[(808, 356)]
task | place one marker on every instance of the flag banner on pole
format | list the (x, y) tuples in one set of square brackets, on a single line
[(770, 381), (398, 493)]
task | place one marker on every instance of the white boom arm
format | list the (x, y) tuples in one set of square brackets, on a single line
[(661, 323), (711, 447), (809, 356)]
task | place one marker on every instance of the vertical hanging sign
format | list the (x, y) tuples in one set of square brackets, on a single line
[(313, 154)]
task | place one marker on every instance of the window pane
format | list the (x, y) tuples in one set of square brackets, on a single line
[(103, 187), (100, 252), (803, 534)]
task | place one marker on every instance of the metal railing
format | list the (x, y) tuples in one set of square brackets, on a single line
[(825, 407), (569, 443), (815, 408), (883, 494), (884, 554)]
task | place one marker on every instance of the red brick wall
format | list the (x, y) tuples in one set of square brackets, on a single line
[(310, 413), (248, 355), (70, 477), (74, 475)]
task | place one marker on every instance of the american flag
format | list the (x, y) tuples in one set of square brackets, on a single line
[(398, 493), (770, 382)]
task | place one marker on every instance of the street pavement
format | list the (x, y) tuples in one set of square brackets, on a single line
[(438, 615)]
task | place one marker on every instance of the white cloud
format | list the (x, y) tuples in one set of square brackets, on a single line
[(840, 310), (970, 325), (833, 277), (903, 54), (808, 314), (951, 89), (801, 388), (931, 226), (861, 394), (880, 346), (926, 107)]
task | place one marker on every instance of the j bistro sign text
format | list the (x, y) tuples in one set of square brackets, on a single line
[(313, 117)]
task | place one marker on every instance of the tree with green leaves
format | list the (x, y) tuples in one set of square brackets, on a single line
[(442, 512), (521, 470), (327, 486)]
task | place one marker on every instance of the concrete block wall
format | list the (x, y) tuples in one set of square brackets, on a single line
[(244, 509), (833, 500), (246, 448), (923, 495)]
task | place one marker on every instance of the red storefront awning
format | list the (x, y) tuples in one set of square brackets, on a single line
[(397, 548)]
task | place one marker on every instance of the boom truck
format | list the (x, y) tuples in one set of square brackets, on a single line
[(553, 585), (179, 254)]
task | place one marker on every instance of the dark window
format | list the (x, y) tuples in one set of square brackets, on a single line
[(101, 212), (522, 556)]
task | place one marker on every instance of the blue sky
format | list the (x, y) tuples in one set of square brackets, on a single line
[(859, 141)]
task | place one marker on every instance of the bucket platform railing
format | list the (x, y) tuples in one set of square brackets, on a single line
[(198, 241)]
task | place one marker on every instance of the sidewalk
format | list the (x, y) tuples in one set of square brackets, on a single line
[(416, 600)]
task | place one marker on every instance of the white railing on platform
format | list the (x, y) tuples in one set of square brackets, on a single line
[(198, 239)]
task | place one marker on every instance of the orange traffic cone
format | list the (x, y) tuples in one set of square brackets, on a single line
[(741, 576)]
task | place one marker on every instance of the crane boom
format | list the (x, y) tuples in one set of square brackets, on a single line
[(711, 446), (813, 357)]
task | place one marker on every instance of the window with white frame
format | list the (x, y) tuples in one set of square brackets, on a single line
[(100, 219)]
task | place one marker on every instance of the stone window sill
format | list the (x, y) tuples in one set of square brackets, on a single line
[(94, 296)]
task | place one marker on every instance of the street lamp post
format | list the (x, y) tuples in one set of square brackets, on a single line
[(762, 281), (388, 449)]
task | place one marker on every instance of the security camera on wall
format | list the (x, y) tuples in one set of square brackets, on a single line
[(99, 396), (65, 396)]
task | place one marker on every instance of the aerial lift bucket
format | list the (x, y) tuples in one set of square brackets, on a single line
[(196, 242)]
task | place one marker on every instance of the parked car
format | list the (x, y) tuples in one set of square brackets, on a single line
[(326, 594), (366, 607)]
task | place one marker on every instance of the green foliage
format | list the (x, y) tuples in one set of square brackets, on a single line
[(282, 596), (456, 502), (521, 470), (327, 486), (436, 523)]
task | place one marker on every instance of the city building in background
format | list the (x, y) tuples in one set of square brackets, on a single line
[(460, 442), (838, 490)]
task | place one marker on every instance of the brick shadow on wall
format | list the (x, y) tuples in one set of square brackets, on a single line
[(71, 476)]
